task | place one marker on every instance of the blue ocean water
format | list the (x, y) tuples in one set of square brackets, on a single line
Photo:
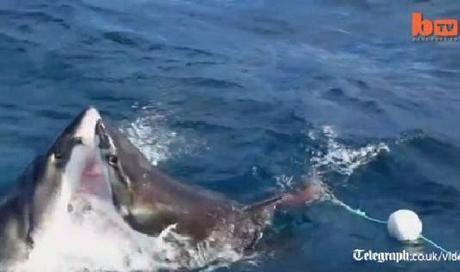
[(246, 98)]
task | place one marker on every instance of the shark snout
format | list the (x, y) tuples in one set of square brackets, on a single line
[(86, 128)]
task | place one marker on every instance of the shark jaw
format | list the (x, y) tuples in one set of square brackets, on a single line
[(85, 172)]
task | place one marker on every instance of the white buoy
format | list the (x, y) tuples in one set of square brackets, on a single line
[(404, 225)]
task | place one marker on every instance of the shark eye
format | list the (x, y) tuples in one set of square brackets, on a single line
[(77, 140), (57, 156), (113, 160)]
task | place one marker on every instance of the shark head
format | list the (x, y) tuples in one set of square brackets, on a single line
[(72, 167)]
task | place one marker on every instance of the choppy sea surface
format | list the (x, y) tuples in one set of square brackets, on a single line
[(248, 97)]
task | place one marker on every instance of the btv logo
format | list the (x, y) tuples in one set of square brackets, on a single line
[(440, 28)]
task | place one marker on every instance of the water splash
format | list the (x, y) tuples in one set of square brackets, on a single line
[(149, 134), (286, 183), (340, 158), (97, 239)]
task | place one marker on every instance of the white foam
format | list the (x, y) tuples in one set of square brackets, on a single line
[(149, 135), (152, 135), (97, 239), (341, 158), (286, 183)]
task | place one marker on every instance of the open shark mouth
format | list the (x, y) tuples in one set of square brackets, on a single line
[(93, 179), (85, 169)]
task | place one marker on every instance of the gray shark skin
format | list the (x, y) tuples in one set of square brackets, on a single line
[(150, 200), (72, 165)]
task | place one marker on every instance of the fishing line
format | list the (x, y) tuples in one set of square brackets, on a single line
[(333, 199)]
